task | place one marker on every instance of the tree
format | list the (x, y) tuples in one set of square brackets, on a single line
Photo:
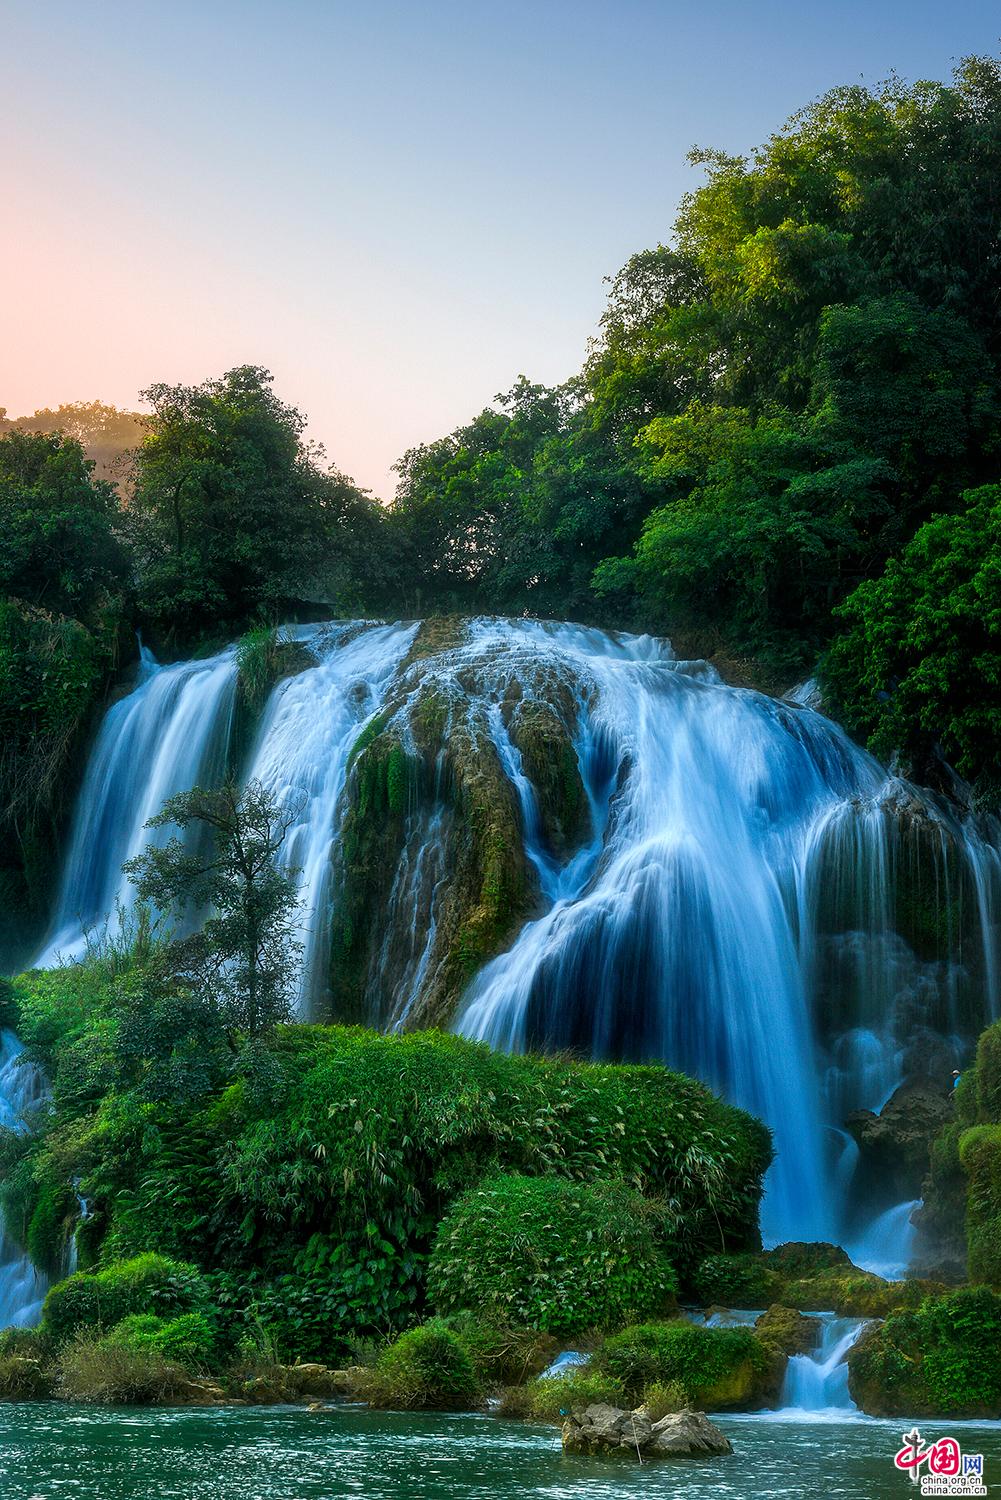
[(917, 667), (63, 578), (59, 549), (234, 514), (244, 955)]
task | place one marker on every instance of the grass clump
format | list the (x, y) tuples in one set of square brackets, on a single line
[(556, 1397), (98, 1368)]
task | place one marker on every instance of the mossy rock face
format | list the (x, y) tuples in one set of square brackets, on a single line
[(433, 840), (787, 1330)]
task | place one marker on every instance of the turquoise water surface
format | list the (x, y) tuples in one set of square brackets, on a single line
[(55, 1452)]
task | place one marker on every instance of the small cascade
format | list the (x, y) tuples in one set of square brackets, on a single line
[(886, 1245), (818, 1381), (171, 733), (22, 1286)]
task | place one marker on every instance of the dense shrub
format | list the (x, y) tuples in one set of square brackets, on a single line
[(188, 1340), (503, 1354), (939, 1360), (149, 1283), (23, 1379), (314, 1183), (559, 1256), (91, 1368), (427, 1369), (713, 1366), (736, 1281)]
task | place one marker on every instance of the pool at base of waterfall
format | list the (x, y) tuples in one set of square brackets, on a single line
[(286, 1453)]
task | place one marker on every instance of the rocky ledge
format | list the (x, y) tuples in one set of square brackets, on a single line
[(607, 1429)]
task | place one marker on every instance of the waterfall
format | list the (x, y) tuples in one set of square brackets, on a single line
[(22, 1287), (749, 865), (170, 734), (753, 901), (818, 1381), (311, 723)]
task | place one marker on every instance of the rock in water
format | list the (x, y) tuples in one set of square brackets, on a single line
[(605, 1429), (688, 1434)]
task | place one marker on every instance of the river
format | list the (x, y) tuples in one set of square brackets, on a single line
[(287, 1453)]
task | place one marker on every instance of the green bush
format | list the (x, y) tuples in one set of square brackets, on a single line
[(149, 1283), (503, 1354), (939, 1360), (716, 1367), (559, 1256), (427, 1369), (736, 1281), (552, 1399), (188, 1340), (988, 1074)]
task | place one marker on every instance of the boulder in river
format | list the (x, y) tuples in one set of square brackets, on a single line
[(606, 1429)]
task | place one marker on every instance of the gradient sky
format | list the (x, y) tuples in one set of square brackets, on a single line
[(397, 208)]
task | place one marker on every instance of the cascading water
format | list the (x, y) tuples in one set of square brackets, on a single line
[(310, 725), (22, 1287), (753, 900), (170, 734), (698, 933), (818, 1381)]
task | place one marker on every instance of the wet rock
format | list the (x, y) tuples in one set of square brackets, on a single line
[(895, 1144), (607, 1429)]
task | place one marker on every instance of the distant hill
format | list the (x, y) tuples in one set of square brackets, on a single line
[(104, 432)]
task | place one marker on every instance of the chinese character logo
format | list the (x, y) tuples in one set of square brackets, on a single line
[(940, 1467)]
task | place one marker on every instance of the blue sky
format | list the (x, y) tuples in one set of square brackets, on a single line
[(397, 208)]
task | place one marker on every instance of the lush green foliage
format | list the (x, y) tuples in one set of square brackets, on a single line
[(964, 1187), (736, 1281), (233, 513), (147, 1284), (560, 1256), (939, 1360), (779, 399), (713, 1366), (62, 575), (188, 1340), (918, 667), (427, 1369), (311, 1177)]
